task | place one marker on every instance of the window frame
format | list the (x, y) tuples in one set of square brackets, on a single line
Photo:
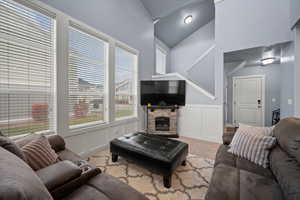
[(87, 30), (48, 12), (60, 73), (135, 82)]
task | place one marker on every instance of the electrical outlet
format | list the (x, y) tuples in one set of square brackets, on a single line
[(290, 101)]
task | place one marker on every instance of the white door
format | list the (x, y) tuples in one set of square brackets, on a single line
[(248, 100)]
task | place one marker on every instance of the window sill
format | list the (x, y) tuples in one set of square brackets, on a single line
[(96, 127), (24, 135)]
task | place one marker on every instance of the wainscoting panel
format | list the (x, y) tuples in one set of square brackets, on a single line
[(202, 122)]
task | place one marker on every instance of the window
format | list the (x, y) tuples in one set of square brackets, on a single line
[(87, 61), (27, 55), (125, 83), (161, 61)]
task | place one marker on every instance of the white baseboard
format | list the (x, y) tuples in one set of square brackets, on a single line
[(91, 152)]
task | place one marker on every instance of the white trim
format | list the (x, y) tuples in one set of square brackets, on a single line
[(263, 95), (206, 53), (201, 106), (90, 152), (218, 1), (191, 83), (85, 129)]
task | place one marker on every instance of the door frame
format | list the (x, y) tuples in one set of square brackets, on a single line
[(234, 79)]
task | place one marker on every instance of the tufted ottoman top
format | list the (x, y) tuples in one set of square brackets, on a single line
[(159, 148)]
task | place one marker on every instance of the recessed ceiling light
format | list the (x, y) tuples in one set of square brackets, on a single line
[(188, 19), (267, 61)]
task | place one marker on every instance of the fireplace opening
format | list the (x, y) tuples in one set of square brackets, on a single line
[(162, 123)]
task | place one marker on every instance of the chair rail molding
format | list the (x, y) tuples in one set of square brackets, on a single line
[(191, 83)]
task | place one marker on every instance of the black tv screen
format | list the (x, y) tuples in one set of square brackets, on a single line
[(167, 93)]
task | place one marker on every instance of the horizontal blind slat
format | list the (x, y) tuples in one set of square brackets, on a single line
[(26, 66)]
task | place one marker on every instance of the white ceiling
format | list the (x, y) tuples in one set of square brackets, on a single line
[(170, 29)]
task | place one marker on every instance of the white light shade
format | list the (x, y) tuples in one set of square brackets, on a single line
[(188, 19), (267, 61)]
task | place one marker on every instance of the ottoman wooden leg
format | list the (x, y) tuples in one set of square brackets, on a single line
[(114, 157), (167, 181), (183, 163)]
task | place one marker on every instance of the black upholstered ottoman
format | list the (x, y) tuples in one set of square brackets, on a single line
[(158, 154)]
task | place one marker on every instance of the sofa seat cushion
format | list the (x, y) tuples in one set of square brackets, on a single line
[(257, 187), (224, 183), (87, 192), (287, 172), (230, 183), (108, 185), (18, 180), (247, 165)]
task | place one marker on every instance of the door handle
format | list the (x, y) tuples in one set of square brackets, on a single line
[(259, 101)]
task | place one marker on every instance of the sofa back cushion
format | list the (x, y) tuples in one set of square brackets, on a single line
[(287, 132), (287, 172), (18, 180), (11, 146)]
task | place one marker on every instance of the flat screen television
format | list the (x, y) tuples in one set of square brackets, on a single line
[(163, 93)]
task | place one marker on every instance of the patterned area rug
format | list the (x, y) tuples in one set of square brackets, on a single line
[(189, 182)]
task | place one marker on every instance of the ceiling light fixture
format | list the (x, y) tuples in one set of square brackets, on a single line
[(188, 19), (267, 61)]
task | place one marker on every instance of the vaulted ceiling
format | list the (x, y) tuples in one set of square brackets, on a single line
[(171, 13)]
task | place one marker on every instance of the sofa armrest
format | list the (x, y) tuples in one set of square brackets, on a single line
[(227, 137), (58, 174), (66, 189), (57, 143)]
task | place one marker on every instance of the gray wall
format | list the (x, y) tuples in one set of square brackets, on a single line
[(203, 73), (272, 79), (294, 12), (246, 24), (287, 81), (167, 50), (126, 20), (190, 49), (184, 55)]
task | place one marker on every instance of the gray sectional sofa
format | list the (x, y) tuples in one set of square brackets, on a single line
[(238, 179)]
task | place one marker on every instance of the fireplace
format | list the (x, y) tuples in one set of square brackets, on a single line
[(162, 123)]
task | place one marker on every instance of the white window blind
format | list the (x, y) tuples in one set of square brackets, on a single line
[(87, 61), (125, 83), (161, 61), (27, 54)]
